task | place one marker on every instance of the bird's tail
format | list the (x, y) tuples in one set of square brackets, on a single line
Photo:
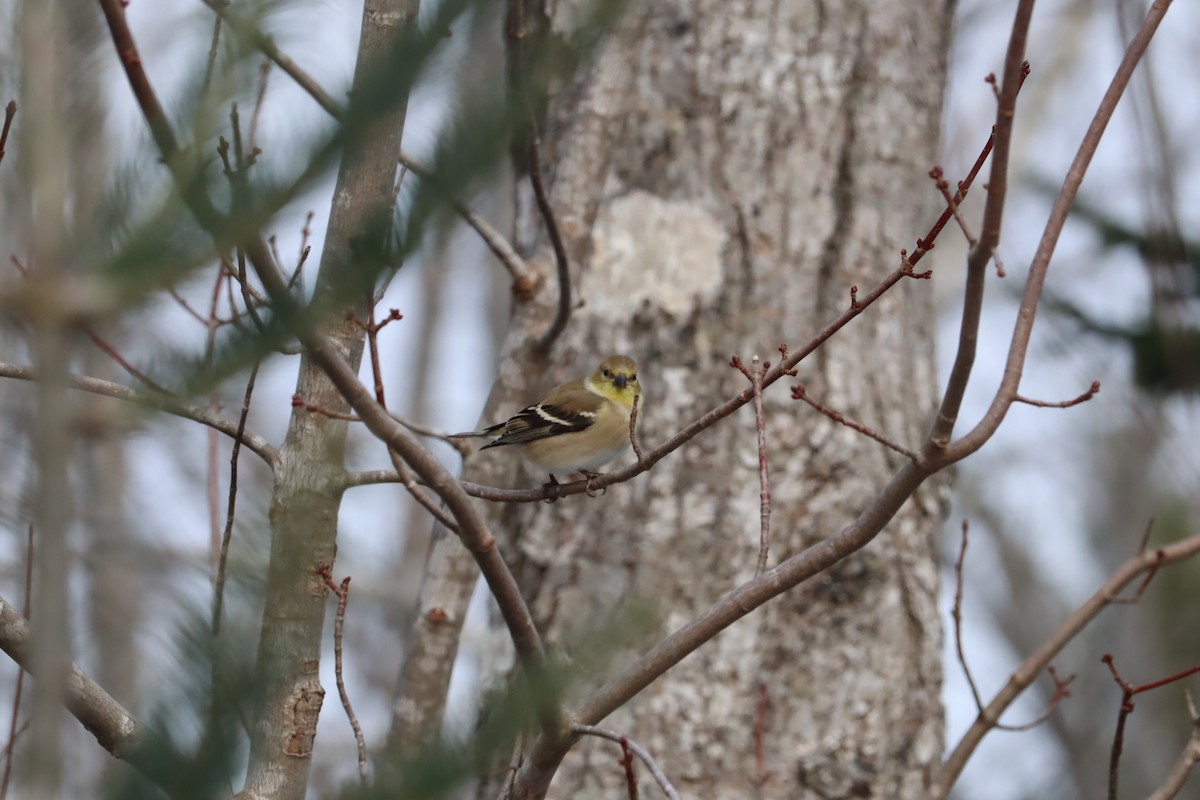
[(486, 433)]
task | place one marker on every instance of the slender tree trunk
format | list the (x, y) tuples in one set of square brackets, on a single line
[(772, 156), (304, 509)]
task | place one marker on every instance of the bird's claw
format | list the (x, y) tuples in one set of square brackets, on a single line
[(587, 486)]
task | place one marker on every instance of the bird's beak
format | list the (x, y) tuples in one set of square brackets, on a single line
[(620, 381)]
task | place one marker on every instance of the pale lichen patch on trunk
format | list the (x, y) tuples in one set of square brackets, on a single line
[(649, 250)]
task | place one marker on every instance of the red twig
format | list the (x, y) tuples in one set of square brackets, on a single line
[(343, 596), (925, 244), (938, 175), (631, 782), (755, 374), (760, 735), (800, 392), (372, 329), (10, 111), (1128, 691), (1083, 398), (630, 747), (298, 402)]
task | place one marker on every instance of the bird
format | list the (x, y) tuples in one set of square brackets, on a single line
[(579, 426)]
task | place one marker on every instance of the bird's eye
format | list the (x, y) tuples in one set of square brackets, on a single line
[(633, 378), (606, 373)]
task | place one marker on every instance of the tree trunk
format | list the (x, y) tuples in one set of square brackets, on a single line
[(772, 156), (304, 507)]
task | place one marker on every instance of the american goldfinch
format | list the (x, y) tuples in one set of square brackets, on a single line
[(579, 426)]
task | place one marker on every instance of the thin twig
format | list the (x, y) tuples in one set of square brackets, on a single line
[(1187, 759), (13, 730), (938, 175), (299, 402), (1083, 398), (563, 314), (800, 392), (372, 329), (633, 421), (103, 344), (418, 493), (227, 534), (956, 614), (169, 405), (526, 281), (639, 751), (214, 405), (343, 597), (213, 50), (754, 373), (10, 111), (267, 47), (1061, 691), (258, 105)]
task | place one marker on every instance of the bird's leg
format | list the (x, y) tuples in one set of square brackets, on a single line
[(590, 476), (548, 486)]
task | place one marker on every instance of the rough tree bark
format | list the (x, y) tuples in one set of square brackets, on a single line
[(771, 156)]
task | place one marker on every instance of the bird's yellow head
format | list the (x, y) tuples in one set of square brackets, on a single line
[(617, 378)]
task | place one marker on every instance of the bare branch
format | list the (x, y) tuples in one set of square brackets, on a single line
[(1038, 268), (115, 729), (526, 282), (1032, 667), (472, 529), (964, 360), (257, 444)]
